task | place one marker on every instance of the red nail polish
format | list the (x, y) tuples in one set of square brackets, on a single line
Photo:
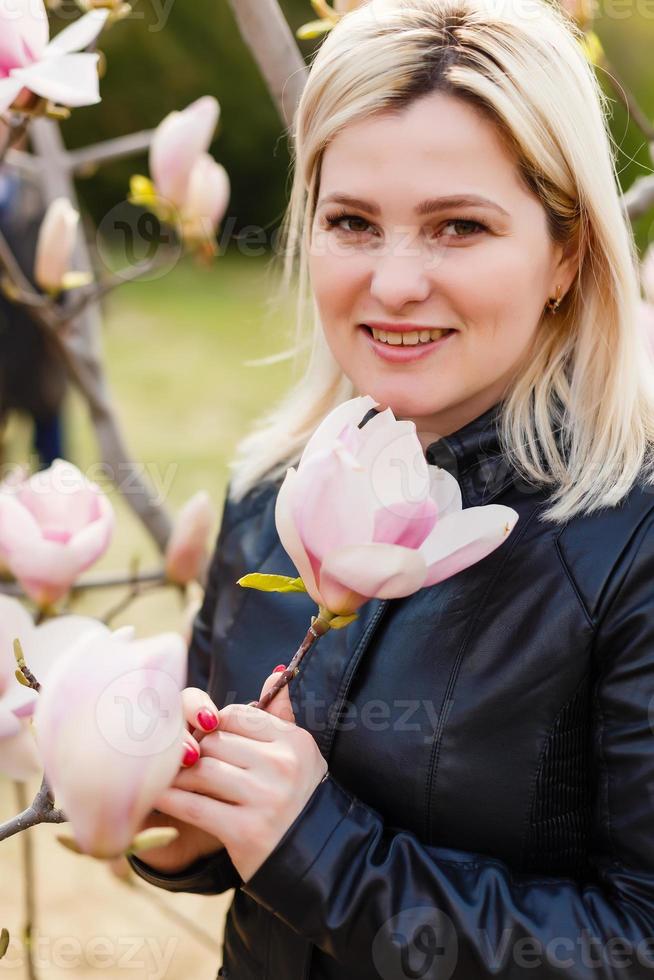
[(207, 720), (191, 755), (279, 669)]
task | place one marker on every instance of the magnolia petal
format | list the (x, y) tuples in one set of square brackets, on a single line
[(445, 491), (405, 523), (186, 547), (10, 89), (91, 542), (19, 757), (25, 32), (46, 570), (108, 781), (384, 435), (208, 193), (19, 700), (15, 621), (290, 536), (398, 472), (382, 571), (55, 244), (53, 638), (333, 505), (18, 529), (339, 598), (9, 723), (464, 538), (180, 138), (79, 35), (349, 412), (70, 79)]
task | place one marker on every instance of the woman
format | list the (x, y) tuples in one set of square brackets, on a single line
[(460, 784)]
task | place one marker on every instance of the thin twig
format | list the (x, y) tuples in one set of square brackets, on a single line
[(41, 810), (126, 601), (15, 132), (157, 577), (29, 880)]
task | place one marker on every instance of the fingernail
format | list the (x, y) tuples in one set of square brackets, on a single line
[(207, 719), (279, 668), (191, 755)]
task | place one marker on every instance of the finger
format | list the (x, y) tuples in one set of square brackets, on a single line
[(235, 749), (210, 815), (251, 722), (280, 706), (190, 751), (199, 710), (217, 779)]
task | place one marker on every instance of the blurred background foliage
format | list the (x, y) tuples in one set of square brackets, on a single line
[(162, 57), (168, 53)]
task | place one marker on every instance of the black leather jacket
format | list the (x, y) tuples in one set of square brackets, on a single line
[(489, 808)]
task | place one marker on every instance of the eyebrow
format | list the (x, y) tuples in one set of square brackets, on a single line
[(425, 207)]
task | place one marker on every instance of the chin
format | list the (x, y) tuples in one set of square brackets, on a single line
[(403, 399)]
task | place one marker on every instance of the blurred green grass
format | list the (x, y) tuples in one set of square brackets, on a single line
[(175, 353)]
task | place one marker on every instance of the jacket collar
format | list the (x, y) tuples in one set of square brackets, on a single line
[(473, 456)]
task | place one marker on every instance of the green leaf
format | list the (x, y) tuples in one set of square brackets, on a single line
[(271, 583), (339, 622), (73, 280), (152, 837), (69, 842), (315, 28)]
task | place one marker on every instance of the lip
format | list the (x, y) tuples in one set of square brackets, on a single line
[(399, 353)]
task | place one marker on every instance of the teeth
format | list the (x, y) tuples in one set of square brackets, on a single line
[(408, 339)]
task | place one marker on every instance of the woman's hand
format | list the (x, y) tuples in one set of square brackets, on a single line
[(255, 775), (192, 842)]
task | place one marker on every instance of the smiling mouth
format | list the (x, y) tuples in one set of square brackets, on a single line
[(410, 338)]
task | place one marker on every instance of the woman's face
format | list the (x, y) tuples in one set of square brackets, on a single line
[(483, 270)]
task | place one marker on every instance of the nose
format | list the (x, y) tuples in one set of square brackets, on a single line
[(401, 276)]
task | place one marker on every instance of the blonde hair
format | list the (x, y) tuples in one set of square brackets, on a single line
[(579, 417)]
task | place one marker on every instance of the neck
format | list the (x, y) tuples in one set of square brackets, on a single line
[(430, 428)]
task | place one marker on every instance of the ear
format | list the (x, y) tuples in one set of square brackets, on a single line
[(566, 268)]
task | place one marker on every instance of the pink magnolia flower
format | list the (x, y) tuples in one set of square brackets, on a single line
[(41, 646), (55, 246), (52, 69), (16, 475), (355, 531), (179, 141), (186, 551), (207, 198), (109, 726), (52, 527)]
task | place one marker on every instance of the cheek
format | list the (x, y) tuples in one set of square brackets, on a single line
[(337, 285)]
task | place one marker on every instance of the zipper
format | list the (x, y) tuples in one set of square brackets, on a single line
[(329, 735)]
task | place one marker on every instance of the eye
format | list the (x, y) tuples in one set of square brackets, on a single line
[(465, 221), (338, 220)]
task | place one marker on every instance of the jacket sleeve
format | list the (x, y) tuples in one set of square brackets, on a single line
[(383, 904), (215, 873)]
